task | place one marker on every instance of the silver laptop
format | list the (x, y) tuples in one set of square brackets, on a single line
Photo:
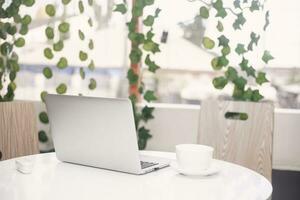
[(98, 132)]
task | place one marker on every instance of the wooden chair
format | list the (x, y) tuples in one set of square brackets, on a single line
[(245, 142), (18, 129)]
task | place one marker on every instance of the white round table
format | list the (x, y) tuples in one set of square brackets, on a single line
[(55, 180)]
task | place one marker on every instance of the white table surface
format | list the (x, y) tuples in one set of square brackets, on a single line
[(55, 180)]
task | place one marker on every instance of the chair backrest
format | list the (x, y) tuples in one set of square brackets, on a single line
[(18, 129), (247, 142)]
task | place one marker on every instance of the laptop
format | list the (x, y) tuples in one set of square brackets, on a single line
[(97, 132)]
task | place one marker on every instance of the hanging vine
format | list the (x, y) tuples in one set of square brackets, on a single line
[(142, 48), (57, 33), (241, 90), (13, 27)]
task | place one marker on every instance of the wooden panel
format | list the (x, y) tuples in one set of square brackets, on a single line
[(18, 132), (249, 142)]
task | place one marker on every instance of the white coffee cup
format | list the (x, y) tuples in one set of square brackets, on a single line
[(193, 157)]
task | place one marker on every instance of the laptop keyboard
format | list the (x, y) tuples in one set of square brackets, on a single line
[(147, 164)]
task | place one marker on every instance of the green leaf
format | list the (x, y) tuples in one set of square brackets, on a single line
[(24, 29), (135, 55), (240, 49), (82, 73), (137, 11), (221, 13), (226, 50), (248, 94), (121, 8), (20, 42), (80, 6), (220, 26), (91, 2), (90, 22), (147, 113), (218, 62), (208, 43), (43, 95), (50, 10), (254, 5), (157, 11), (238, 93), (28, 3), (65, 2), (149, 2), (149, 45), (267, 57), (12, 76), (64, 27), (48, 53), (261, 78), (204, 13), (250, 71), (144, 133), (92, 84), (137, 38), (223, 41), (220, 82), (91, 66), (132, 77), (237, 3), (62, 63), (91, 44), (58, 46), (152, 66), (61, 88), (240, 82), (12, 30), (83, 56), (49, 33), (26, 20), (44, 117), (149, 96), (254, 40), (6, 48), (149, 20), (149, 35), (267, 21), (256, 96), (47, 72), (239, 21), (43, 138), (231, 74), (81, 35)]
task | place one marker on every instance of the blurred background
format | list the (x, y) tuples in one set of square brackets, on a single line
[(185, 75)]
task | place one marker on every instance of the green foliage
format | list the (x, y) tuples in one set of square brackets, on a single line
[(141, 43), (208, 43), (61, 88), (204, 13), (64, 27), (62, 63), (12, 24), (47, 72), (92, 84), (42, 136), (220, 62), (44, 117), (267, 57), (50, 10), (122, 8)]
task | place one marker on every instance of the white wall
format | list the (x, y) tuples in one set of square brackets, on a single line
[(175, 124)]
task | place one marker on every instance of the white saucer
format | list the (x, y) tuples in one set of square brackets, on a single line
[(210, 171)]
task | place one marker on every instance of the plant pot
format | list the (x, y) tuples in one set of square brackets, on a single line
[(18, 129), (240, 132)]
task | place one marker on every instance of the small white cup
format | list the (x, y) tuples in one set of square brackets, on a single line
[(193, 157)]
